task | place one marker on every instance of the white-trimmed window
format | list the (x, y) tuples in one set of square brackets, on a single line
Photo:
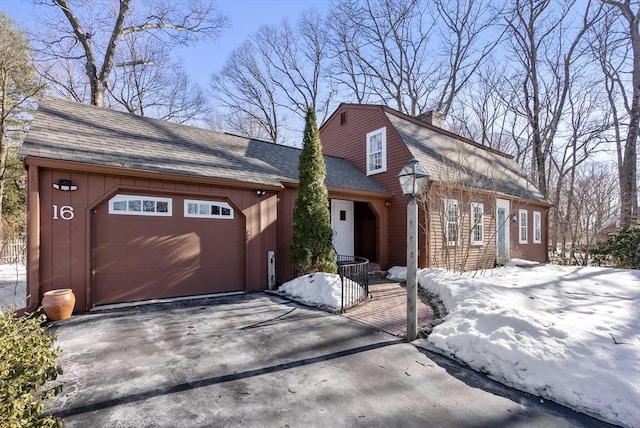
[(377, 151), (523, 227), (140, 205), (537, 227), (451, 221), (207, 209), (477, 225)]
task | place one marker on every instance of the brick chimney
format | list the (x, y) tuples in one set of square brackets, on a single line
[(433, 117)]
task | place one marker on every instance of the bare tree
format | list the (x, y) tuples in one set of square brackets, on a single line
[(410, 53), (385, 46), (17, 87), (246, 92), (616, 47), (546, 45), (467, 24), (295, 59), (239, 124), (593, 208), (90, 33), (276, 76), (585, 138), (483, 113), (145, 82)]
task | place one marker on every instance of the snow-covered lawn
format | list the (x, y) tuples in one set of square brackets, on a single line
[(12, 286), (570, 334)]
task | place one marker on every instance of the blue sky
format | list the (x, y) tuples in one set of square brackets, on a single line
[(206, 57)]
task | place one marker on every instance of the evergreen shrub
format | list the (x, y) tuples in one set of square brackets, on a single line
[(27, 362), (621, 250)]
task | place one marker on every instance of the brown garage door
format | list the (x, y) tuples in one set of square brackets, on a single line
[(148, 247)]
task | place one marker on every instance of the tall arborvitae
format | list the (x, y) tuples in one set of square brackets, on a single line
[(312, 249)]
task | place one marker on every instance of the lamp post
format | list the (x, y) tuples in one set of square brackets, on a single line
[(413, 181)]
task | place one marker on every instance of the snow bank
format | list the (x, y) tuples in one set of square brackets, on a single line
[(320, 289), (569, 334), (397, 273)]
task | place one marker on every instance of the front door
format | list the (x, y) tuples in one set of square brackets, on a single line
[(342, 225), (502, 228)]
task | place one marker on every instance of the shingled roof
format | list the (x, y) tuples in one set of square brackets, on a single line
[(71, 131), (454, 160)]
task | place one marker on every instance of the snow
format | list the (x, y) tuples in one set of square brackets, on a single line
[(12, 286), (321, 289), (569, 334)]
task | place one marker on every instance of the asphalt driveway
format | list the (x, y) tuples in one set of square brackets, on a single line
[(260, 361)]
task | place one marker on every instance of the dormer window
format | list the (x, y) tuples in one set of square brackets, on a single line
[(377, 151)]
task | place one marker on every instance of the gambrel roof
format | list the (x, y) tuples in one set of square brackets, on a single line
[(452, 159), (71, 131)]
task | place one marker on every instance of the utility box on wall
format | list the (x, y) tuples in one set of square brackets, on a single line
[(271, 269)]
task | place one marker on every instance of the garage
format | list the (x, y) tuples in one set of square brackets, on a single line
[(124, 208), (149, 247)]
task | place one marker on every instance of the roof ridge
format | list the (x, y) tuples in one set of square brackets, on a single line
[(432, 127), (54, 99)]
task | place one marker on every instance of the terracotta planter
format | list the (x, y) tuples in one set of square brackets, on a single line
[(58, 304)]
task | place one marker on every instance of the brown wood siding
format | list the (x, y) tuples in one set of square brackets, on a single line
[(284, 267), (381, 212), (286, 205), (530, 251), (463, 256), (33, 239), (262, 222), (466, 256), (349, 141), (62, 249)]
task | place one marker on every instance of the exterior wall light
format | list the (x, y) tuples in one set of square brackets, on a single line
[(260, 193), (413, 181), (65, 185)]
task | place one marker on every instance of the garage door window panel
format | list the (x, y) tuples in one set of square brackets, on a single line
[(140, 205), (208, 209)]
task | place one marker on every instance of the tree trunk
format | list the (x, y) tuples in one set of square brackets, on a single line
[(629, 183), (4, 148), (97, 92), (628, 172)]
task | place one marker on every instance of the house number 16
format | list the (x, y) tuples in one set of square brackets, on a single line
[(65, 212)]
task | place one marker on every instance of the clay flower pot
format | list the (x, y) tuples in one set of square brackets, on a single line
[(58, 304)]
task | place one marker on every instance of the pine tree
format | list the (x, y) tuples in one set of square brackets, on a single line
[(312, 249)]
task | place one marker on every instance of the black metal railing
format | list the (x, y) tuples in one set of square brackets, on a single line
[(354, 276)]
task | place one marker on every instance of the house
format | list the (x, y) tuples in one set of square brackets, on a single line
[(479, 208), (124, 208)]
